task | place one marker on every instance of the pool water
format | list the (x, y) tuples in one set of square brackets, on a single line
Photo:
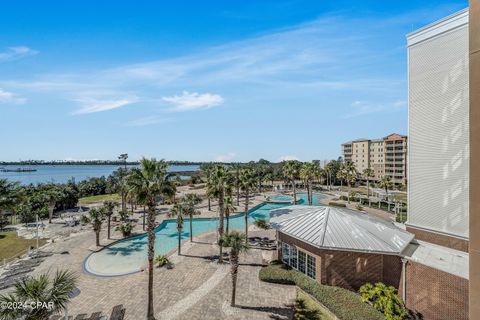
[(130, 255)]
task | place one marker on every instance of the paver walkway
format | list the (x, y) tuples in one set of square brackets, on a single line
[(196, 288)]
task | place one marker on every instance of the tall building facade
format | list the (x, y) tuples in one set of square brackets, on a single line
[(439, 176), (386, 156)]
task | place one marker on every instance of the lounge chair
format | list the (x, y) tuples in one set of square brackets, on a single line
[(118, 312)]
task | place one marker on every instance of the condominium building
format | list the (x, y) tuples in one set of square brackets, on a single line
[(441, 145), (386, 156)]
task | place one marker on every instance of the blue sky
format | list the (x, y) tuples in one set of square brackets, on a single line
[(203, 80)]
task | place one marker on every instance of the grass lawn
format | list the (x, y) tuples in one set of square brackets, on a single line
[(100, 198), (12, 246), (307, 308)]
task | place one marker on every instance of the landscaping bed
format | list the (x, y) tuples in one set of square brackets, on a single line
[(12, 245), (345, 304)]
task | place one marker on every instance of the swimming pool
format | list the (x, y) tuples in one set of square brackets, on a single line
[(130, 255)]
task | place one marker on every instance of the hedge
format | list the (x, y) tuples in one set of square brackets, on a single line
[(337, 204), (345, 304)]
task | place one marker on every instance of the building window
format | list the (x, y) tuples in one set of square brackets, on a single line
[(299, 260), (311, 267), (293, 257), (285, 253), (302, 257)]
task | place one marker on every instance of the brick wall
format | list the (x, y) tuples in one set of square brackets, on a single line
[(436, 294), (349, 270), (440, 239)]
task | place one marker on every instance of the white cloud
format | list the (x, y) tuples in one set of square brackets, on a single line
[(9, 97), (90, 105), (146, 121), (14, 53), (193, 101), (226, 157), (361, 108), (288, 157)]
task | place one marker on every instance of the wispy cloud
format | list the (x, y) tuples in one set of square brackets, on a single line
[(361, 108), (188, 101), (14, 53), (287, 158), (226, 157), (146, 121), (90, 105), (10, 97)]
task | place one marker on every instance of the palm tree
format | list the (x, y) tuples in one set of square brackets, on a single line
[(9, 195), (218, 183), (229, 208), (123, 157), (178, 211), (308, 173), (385, 183), (149, 183), (350, 175), (41, 288), (236, 167), (52, 194), (109, 206), (189, 201), (291, 170), (95, 218), (237, 244), (247, 178), (367, 174)]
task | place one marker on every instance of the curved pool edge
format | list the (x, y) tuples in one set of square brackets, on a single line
[(87, 270)]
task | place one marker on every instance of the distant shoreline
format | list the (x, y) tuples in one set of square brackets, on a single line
[(92, 162)]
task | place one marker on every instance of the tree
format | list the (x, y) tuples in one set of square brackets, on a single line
[(190, 200), (149, 183), (217, 184), (237, 244), (291, 171), (178, 211), (95, 218), (247, 179), (109, 206), (40, 288), (229, 208), (261, 223), (9, 196), (350, 175), (52, 194), (384, 299), (385, 183), (308, 173), (237, 167), (123, 157), (367, 174)]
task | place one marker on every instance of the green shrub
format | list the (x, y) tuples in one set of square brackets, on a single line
[(359, 207), (261, 224), (162, 260), (384, 299), (337, 204), (345, 304)]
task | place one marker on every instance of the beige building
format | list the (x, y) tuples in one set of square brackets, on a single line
[(386, 156)]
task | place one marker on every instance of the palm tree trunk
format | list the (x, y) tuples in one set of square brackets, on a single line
[(191, 229), (179, 241), (97, 238), (294, 192), (349, 189), (220, 227), (108, 227), (209, 205), (246, 216), (234, 273), (144, 212), (151, 254)]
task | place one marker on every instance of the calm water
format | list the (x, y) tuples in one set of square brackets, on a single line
[(63, 173), (130, 255)]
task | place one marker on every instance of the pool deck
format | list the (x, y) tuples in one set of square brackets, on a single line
[(195, 288)]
